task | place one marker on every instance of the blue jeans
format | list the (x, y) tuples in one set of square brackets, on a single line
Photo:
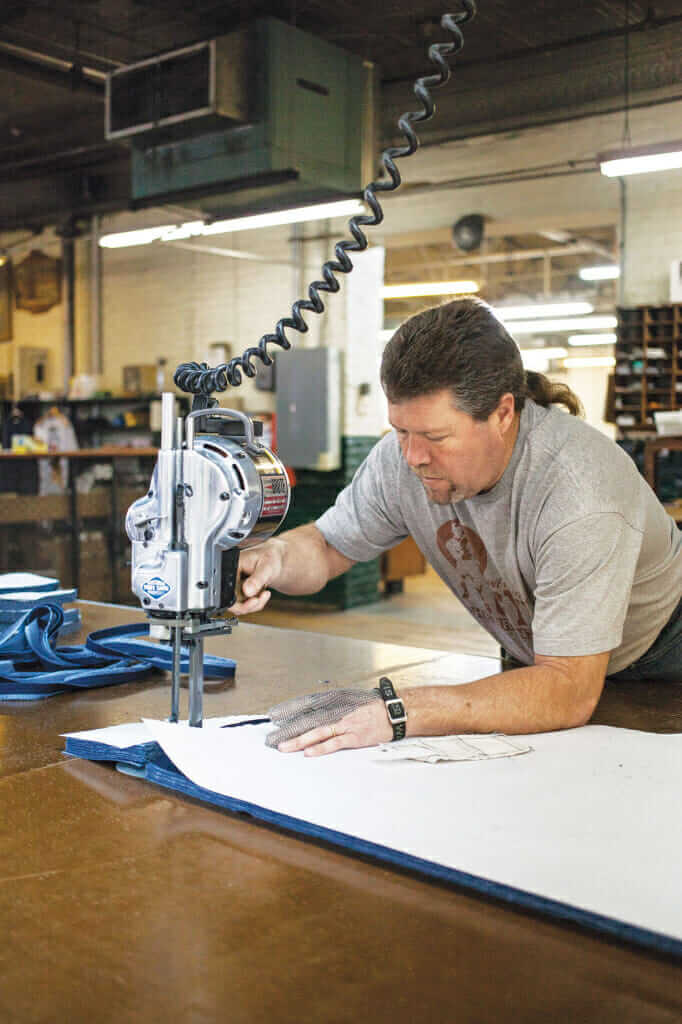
[(663, 661)]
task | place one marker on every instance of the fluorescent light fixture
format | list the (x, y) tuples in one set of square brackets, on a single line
[(538, 359), (535, 361), (191, 229), (195, 228), (608, 272), (592, 339), (642, 160), (408, 291), (142, 236), (579, 362), (322, 211), (547, 309), (561, 325), (548, 353)]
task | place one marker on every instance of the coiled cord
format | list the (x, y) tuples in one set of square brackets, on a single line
[(199, 378)]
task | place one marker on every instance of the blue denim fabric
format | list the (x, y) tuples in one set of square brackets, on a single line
[(663, 661)]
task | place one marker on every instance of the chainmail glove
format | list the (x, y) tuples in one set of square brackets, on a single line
[(294, 717)]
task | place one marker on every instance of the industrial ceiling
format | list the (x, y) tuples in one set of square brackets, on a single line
[(524, 63)]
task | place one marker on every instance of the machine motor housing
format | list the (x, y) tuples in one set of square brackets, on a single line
[(223, 493)]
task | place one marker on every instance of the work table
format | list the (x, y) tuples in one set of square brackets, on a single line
[(125, 902)]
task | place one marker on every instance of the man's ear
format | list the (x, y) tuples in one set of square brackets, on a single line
[(503, 416)]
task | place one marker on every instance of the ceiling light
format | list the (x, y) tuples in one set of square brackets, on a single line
[(546, 309), (641, 160), (142, 236), (608, 272), (548, 353), (538, 359), (591, 339), (560, 326), (578, 362), (322, 211), (190, 229), (194, 228), (407, 291)]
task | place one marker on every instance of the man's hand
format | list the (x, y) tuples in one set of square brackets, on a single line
[(297, 562), (365, 727), (259, 569), (321, 723)]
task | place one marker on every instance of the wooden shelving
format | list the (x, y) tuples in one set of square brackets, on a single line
[(648, 374)]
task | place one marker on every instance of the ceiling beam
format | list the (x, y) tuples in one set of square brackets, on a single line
[(68, 75)]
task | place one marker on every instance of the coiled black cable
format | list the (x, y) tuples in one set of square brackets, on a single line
[(199, 378)]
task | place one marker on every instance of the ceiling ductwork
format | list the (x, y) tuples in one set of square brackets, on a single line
[(268, 115)]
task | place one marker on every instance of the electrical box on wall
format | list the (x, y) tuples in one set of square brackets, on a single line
[(290, 117), (309, 408), (139, 380), (266, 375), (33, 370)]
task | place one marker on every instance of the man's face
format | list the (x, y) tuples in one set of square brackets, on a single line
[(453, 455)]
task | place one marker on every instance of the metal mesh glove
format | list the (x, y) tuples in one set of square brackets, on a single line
[(301, 714)]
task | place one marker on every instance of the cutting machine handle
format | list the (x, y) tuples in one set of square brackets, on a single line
[(227, 414)]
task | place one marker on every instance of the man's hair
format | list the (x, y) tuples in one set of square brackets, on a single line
[(462, 346)]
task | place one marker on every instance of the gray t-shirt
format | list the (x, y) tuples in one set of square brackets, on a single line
[(570, 553)]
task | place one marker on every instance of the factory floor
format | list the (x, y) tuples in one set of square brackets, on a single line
[(426, 614)]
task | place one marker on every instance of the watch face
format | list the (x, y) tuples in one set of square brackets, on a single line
[(395, 710)]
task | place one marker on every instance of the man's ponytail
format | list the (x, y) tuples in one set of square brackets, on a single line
[(544, 391)]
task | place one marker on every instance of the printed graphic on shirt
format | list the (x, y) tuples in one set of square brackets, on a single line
[(486, 595)]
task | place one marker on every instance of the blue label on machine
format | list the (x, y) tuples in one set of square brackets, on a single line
[(156, 588)]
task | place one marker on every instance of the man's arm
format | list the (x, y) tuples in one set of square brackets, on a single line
[(297, 562), (554, 693)]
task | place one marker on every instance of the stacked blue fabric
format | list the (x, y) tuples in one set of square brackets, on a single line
[(32, 666), (21, 591)]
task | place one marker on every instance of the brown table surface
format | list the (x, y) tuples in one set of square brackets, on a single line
[(123, 902)]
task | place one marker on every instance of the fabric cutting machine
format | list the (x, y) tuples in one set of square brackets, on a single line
[(215, 489)]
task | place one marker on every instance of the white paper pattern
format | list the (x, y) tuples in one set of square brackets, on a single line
[(593, 818), (432, 749)]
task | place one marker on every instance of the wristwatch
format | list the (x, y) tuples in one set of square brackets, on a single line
[(395, 709)]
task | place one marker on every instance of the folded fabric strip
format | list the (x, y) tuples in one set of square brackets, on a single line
[(32, 666), (71, 615), (21, 591)]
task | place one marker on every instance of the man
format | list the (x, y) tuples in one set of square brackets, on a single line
[(540, 525)]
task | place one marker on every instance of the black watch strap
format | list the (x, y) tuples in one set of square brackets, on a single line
[(395, 709)]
